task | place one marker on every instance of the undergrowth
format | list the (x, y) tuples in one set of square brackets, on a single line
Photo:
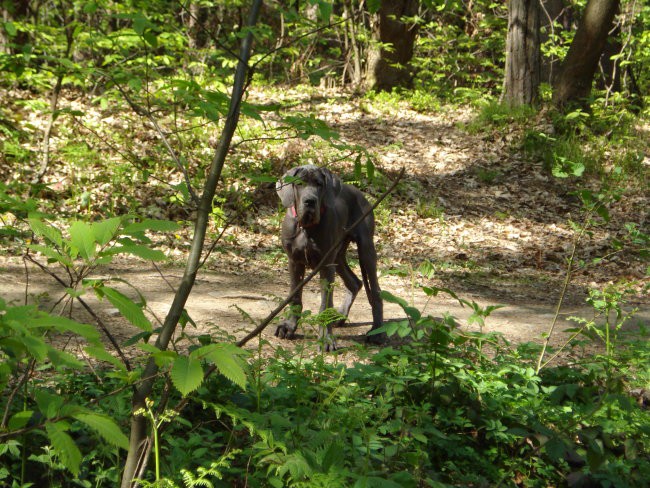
[(444, 408)]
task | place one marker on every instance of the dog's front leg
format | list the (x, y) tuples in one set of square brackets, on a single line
[(287, 328), (328, 343)]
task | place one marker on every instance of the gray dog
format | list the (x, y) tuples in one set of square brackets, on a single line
[(320, 211)]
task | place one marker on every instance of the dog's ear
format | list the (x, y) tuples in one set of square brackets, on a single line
[(285, 189), (333, 184)]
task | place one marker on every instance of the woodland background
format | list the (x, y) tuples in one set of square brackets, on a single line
[(143, 139)]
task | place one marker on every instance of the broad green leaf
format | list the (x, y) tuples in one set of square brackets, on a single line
[(226, 358), (10, 28), (555, 448), (82, 238), (151, 224), (90, 8), (36, 347), (164, 358), (186, 374), (141, 23), (48, 403), (373, 6), (65, 448), (105, 427), (47, 231), (63, 359), (127, 307), (63, 324), (52, 254), (150, 38), (140, 251), (334, 456), (101, 354), (20, 420), (105, 230), (412, 312), (325, 10)]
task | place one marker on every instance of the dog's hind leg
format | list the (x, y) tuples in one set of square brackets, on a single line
[(368, 262)]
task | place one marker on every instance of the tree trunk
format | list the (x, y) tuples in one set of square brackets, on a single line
[(138, 446), (522, 53), (388, 66), (578, 69)]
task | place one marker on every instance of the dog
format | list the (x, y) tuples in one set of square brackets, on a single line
[(320, 211)]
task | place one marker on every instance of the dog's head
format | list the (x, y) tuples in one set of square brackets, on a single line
[(308, 190)]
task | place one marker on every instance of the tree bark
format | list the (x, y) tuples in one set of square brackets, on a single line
[(577, 73), (388, 66), (138, 449), (521, 83)]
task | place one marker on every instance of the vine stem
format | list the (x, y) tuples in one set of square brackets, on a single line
[(560, 302)]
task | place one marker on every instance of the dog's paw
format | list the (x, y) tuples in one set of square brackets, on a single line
[(285, 331), (328, 344)]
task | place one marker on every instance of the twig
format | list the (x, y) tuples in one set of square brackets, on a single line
[(565, 286)]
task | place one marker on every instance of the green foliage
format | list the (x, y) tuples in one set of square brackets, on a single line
[(24, 348)]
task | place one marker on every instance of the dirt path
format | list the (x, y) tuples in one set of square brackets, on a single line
[(216, 298)]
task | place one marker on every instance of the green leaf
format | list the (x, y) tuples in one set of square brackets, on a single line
[(334, 456), (82, 238), (325, 10), (105, 427), (127, 307), (186, 374), (48, 403), (373, 6), (151, 224), (105, 230), (10, 29), (90, 8), (63, 324), (410, 311), (65, 448), (101, 354), (52, 254), (36, 347), (140, 23), (63, 359), (20, 420), (555, 448), (226, 358), (150, 38), (47, 231)]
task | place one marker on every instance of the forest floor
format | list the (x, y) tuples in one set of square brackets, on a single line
[(491, 220)]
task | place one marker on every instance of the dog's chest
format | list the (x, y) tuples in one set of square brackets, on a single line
[(304, 249)]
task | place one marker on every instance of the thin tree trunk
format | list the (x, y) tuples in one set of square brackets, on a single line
[(578, 69), (137, 455), (522, 53)]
